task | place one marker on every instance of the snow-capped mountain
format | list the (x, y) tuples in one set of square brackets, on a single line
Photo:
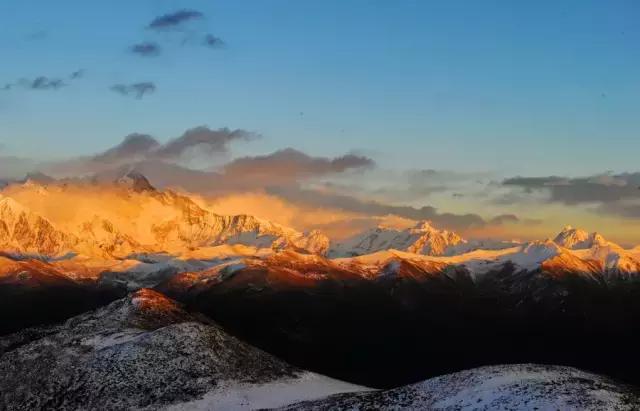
[(423, 238), (128, 216), (577, 239), (146, 352)]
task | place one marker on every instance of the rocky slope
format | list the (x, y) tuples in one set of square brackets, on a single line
[(146, 352), (504, 387)]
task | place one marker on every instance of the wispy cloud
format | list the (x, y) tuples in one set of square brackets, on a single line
[(175, 19), (146, 49), (212, 41), (77, 74), (42, 83), (138, 90)]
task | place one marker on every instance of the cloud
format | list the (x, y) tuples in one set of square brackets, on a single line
[(138, 90), (144, 151), (292, 165), (374, 208), (134, 147), (147, 49), (212, 41), (504, 219), (39, 83), (301, 181), (612, 194), (174, 20), (603, 188), (77, 74), (12, 167), (205, 140)]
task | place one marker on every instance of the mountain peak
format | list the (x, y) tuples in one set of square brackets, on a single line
[(578, 239), (424, 225), (135, 181), (423, 238)]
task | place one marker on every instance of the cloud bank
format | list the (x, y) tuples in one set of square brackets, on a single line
[(305, 183)]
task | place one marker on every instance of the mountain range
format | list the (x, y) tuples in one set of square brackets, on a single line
[(96, 274)]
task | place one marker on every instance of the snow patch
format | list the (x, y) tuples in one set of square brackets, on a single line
[(236, 397)]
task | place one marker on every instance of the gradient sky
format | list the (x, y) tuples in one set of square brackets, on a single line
[(538, 88), (479, 92)]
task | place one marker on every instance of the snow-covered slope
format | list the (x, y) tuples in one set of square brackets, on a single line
[(24, 231), (146, 352), (503, 387)]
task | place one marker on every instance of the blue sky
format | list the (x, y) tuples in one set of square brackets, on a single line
[(535, 89)]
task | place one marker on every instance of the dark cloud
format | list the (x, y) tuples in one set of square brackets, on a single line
[(42, 83), (212, 41), (138, 90), (205, 140), (134, 146), (615, 194), (603, 188), (290, 164), (628, 209), (147, 49), (174, 20)]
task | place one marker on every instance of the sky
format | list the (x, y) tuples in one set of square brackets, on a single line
[(478, 92)]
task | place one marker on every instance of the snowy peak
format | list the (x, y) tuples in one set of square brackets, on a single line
[(577, 239), (432, 241), (423, 238), (135, 181)]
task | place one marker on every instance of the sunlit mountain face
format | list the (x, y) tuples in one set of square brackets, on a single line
[(319, 205), (386, 307)]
